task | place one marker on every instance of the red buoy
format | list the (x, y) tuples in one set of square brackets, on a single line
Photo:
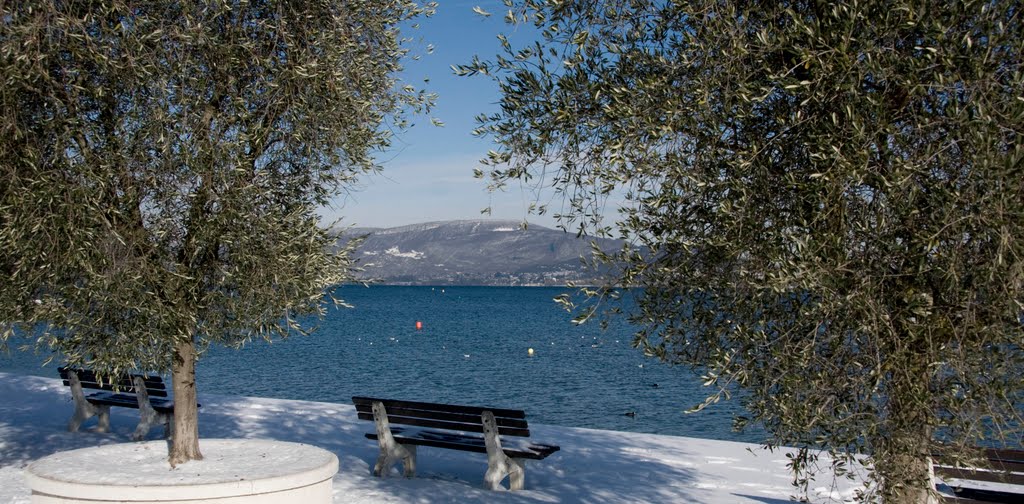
[(419, 325)]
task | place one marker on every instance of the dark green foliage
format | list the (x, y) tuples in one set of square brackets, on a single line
[(829, 197), (161, 164)]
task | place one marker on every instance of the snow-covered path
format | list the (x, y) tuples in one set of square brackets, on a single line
[(593, 466)]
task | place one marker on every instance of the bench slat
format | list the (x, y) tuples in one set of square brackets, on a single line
[(967, 473), (948, 499), (977, 495), (392, 410), (449, 408), (440, 424), (468, 443), (91, 376), (154, 392), (1006, 460), (1005, 454), (130, 401), (123, 382), (999, 460), (113, 399), (89, 380)]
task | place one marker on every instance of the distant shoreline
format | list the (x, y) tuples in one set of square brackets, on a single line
[(477, 253)]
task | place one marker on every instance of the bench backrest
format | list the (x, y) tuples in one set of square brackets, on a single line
[(1000, 461), (1007, 460), (123, 383), (445, 416)]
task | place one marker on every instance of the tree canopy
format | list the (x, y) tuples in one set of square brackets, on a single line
[(162, 164), (825, 203)]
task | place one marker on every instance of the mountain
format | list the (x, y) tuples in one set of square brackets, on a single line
[(474, 252)]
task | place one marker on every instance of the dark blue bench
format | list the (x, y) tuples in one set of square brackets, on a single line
[(146, 393), (454, 427)]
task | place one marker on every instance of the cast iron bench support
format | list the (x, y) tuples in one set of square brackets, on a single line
[(500, 465), (391, 451)]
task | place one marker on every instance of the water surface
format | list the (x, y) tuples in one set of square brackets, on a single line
[(473, 349)]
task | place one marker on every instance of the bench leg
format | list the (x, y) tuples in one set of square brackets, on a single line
[(389, 456), (391, 451), (499, 465), (84, 410), (143, 428), (409, 461), (103, 416), (148, 417), (517, 478)]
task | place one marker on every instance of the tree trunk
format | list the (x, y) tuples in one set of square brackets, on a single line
[(184, 446), (911, 493), (905, 463)]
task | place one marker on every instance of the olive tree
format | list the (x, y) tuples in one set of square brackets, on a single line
[(824, 201), (162, 164)]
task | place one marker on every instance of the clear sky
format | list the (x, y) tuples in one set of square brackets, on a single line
[(428, 175)]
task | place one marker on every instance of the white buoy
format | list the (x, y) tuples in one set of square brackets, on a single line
[(529, 351)]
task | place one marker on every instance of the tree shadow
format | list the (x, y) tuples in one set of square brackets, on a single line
[(34, 416)]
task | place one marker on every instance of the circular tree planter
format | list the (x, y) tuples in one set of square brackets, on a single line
[(232, 471)]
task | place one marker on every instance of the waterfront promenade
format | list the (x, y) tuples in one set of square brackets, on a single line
[(593, 466)]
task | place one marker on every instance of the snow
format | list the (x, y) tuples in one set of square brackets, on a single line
[(225, 461), (412, 254), (593, 466)]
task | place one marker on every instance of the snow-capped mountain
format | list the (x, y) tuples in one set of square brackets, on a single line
[(474, 252)]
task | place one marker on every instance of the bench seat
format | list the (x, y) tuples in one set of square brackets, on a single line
[(165, 406), (465, 442)]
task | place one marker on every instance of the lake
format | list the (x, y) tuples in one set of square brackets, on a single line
[(473, 348)]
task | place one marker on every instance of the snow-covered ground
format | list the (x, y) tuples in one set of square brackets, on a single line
[(593, 466)]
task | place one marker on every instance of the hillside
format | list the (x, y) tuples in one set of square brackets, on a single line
[(474, 252)]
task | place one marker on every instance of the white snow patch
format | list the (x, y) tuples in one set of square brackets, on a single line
[(412, 254), (226, 461)]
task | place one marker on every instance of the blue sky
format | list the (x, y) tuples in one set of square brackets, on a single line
[(428, 175)]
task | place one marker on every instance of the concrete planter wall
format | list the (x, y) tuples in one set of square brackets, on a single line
[(232, 471)]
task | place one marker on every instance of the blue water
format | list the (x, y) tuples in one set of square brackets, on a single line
[(473, 349)]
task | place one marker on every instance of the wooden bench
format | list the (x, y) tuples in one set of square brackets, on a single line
[(452, 427), (1004, 482), (146, 393)]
